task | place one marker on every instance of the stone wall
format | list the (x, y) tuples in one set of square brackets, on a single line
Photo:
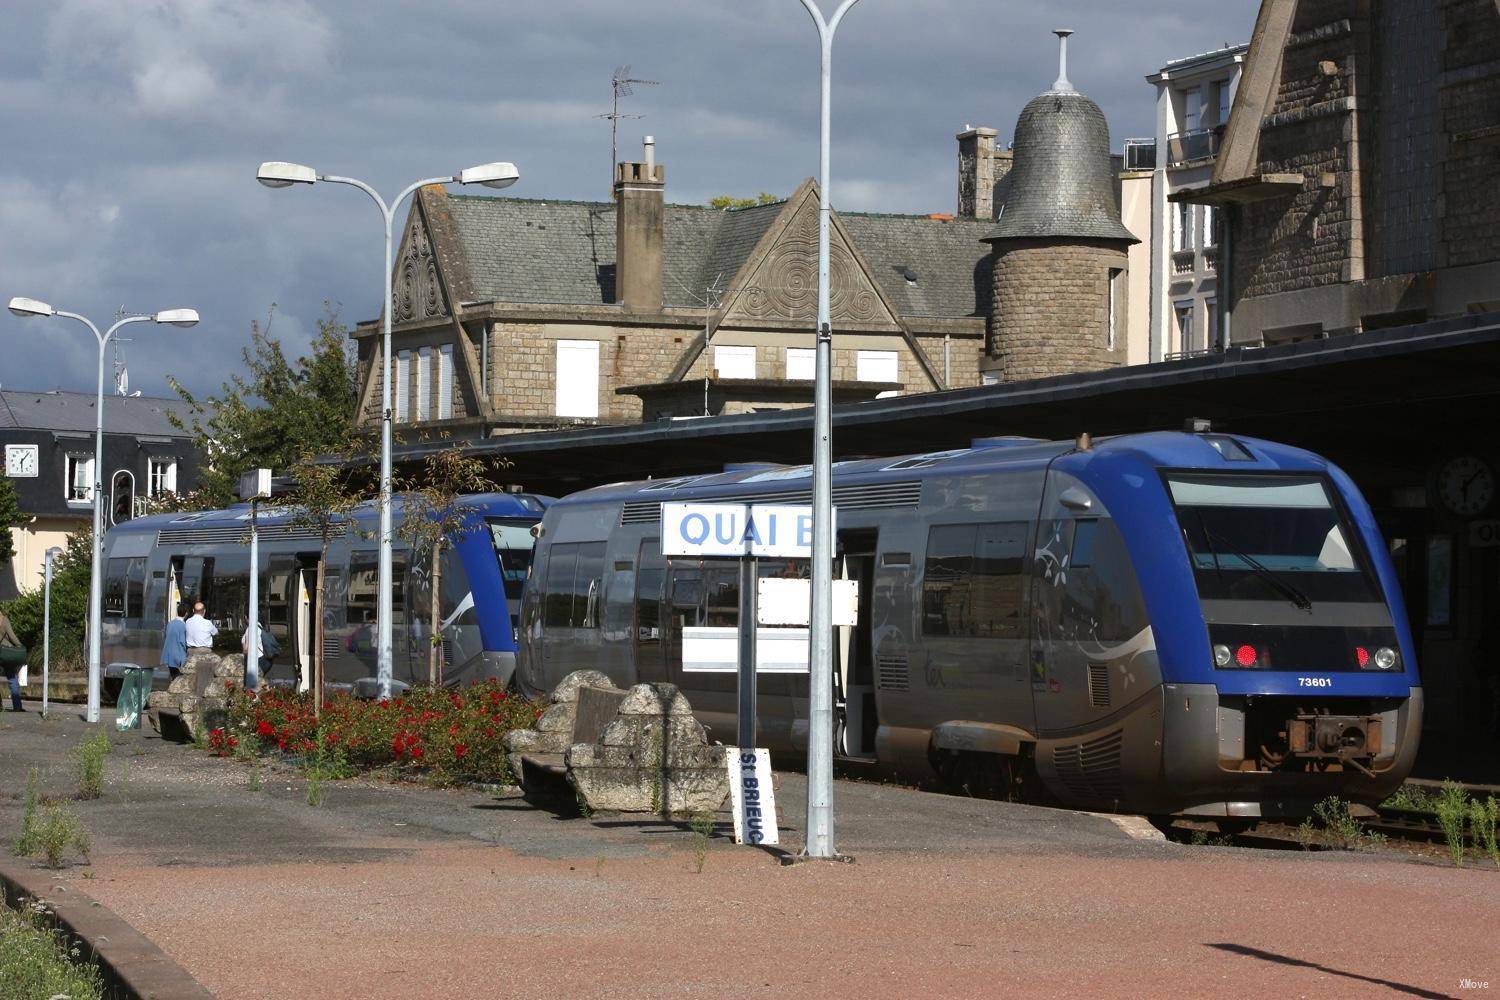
[(1469, 94), (1051, 311)]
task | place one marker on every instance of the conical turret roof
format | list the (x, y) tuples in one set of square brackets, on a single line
[(1061, 184)]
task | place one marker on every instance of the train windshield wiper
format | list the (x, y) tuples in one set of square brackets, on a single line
[(1286, 589)]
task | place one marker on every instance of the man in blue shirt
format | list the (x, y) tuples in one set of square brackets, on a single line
[(174, 646)]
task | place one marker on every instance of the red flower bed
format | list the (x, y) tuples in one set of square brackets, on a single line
[(449, 735), (222, 744)]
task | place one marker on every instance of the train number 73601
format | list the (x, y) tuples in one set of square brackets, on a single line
[(1315, 682)]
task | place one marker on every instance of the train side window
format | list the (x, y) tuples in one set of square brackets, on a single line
[(588, 585), (1101, 597), (114, 587), (557, 593), (721, 590), (364, 580), (135, 593), (945, 580), (648, 583)]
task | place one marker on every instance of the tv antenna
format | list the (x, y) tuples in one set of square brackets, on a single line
[(621, 85)]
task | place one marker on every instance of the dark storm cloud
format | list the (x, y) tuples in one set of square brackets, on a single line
[(133, 129)]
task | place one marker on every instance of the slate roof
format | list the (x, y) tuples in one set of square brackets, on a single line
[(74, 411), (530, 251)]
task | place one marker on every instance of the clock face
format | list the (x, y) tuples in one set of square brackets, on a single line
[(1466, 485), (20, 460)]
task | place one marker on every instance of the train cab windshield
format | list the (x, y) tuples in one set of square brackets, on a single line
[(513, 543), (1270, 538)]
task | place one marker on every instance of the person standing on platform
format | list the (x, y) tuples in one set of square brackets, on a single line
[(174, 645), (12, 671), (200, 631)]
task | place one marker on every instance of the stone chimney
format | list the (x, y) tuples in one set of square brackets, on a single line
[(982, 171), (640, 228)]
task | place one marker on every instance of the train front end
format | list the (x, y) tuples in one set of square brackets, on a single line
[(1287, 665)]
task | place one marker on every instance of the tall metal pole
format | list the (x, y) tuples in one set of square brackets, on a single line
[(47, 628), (383, 642), (252, 625), (820, 700), (96, 575)]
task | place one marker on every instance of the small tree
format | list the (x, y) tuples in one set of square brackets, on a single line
[(322, 499), (730, 201), (11, 516), (433, 512)]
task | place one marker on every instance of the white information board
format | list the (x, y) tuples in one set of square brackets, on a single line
[(729, 529), (709, 649), (789, 602), (752, 796)]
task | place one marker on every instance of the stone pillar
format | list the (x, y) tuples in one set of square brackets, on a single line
[(976, 173), (640, 231), (1051, 308)]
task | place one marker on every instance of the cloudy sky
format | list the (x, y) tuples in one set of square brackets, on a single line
[(132, 129)]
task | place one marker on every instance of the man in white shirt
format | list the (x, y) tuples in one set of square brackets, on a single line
[(200, 631)]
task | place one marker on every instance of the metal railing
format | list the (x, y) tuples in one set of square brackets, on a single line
[(1140, 154), (1190, 147)]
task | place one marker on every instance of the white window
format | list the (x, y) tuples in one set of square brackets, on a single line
[(801, 363), (1192, 110), (1182, 227), (577, 378), (876, 366), (1210, 238), (1116, 276), (424, 381), (79, 486), (445, 382), (403, 385), (1226, 100), (1184, 311), (734, 362), (161, 476)]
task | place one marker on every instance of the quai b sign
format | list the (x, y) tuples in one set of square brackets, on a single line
[(731, 529)]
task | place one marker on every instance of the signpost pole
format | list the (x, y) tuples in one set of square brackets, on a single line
[(748, 625), (47, 628)]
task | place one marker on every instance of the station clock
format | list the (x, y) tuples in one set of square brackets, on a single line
[(21, 461), (1466, 485)]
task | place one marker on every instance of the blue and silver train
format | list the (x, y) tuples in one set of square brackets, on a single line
[(154, 563), (1170, 623)]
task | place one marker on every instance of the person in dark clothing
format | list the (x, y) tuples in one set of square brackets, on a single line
[(174, 645), (12, 670)]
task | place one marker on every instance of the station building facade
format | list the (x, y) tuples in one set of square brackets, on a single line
[(48, 440)]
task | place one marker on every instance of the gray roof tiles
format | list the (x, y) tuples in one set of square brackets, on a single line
[(563, 252), (74, 412)]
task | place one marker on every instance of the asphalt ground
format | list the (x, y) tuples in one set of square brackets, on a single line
[(398, 890)]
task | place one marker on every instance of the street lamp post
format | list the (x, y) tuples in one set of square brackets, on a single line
[(51, 556), (276, 174), (820, 699), (172, 317)]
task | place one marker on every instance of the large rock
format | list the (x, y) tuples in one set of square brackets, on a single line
[(195, 703), (566, 693), (555, 730)]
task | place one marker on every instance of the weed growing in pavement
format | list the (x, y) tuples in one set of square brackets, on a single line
[(89, 756), (703, 828), (314, 789), (56, 830), (1483, 817), (1452, 810), (254, 783), (598, 866), (1332, 825), (25, 844)]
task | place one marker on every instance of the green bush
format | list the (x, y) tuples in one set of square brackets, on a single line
[(70, 603), (51, 833), (89, 756), (1483, 817), (37, 961), (1452, 810)]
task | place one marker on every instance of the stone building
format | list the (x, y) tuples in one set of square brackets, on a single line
[(1059, 292), (1358, 174), (1174, 273), (517, 313)]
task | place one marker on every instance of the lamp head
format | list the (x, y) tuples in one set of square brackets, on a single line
[(183, 318), (495, 175), (276, 174), (30, 307)]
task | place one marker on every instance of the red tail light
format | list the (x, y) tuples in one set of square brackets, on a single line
[(1361, 656), (1245, 656)]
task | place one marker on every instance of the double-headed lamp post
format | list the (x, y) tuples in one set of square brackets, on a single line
[(172, 317), (275, 174)]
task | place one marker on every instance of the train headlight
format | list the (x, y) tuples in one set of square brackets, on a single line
[(1385, 658), (1221, 656)]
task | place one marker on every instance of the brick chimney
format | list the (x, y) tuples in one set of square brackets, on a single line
[(982, 170), (640, 217)]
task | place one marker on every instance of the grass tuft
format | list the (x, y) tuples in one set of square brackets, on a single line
[(89, 757), (1483, 818), (703, 828), (1452, 810)]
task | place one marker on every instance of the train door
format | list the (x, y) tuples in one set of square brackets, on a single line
[(571, 606), (855, 698), (650, 578)]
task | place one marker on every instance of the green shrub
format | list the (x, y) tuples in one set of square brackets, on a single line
[(1340, 829), (1413, 797), (1452, 810), (37, 961), (1482, 821), (52, 833), (89, 756)]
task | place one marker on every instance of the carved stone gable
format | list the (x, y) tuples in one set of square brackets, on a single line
[(784, 285), (417, 292)]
